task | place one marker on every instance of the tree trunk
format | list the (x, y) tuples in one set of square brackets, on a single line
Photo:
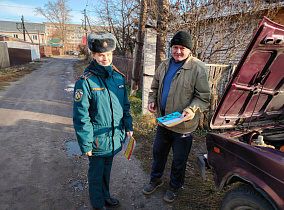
[(162, 28), (137, 67)]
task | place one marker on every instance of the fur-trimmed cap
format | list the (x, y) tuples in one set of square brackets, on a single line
[(101, 42)]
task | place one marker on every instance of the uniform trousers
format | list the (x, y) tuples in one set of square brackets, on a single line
[(98, 178), (181, 145)]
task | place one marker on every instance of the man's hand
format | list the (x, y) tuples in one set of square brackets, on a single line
[(188, 116), (151, 107), (88, 153)]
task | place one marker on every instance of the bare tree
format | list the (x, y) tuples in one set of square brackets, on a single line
[(119, 17), (57, 13), (57, 34), (220, 29), (162, 30), (137, 63)]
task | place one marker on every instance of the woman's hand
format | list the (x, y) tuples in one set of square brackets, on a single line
[(88, 153), (129, 134)]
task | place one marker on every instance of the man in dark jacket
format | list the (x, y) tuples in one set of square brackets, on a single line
[(180, 84), (101, 117)]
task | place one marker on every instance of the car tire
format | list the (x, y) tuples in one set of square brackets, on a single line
[(245, 197)]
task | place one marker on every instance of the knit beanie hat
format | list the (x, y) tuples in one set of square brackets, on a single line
[(101, 42), (182, 38)]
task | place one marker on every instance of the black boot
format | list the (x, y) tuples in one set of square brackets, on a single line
[(112, 202), (171, 194), (152, 186)]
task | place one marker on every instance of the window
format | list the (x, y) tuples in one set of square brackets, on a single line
[(34, 37), (15, 36)]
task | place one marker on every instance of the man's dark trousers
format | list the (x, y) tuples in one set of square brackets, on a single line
[(181, 145), (98, 178)]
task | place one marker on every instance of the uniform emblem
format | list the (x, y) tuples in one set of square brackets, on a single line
[(78, 95), (105, 44)]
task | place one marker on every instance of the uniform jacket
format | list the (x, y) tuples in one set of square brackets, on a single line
[(189, 91), (101, 110)]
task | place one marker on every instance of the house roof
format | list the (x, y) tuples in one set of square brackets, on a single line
[(12, 26)]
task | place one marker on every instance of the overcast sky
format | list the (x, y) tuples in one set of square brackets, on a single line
[(12, 10)]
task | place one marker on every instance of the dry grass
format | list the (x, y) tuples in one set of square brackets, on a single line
[(80, 67), (12, 74), (196, 192)]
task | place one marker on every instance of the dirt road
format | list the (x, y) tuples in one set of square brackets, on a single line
[(40, 167)]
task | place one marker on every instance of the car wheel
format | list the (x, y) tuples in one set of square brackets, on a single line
[(245, 197)]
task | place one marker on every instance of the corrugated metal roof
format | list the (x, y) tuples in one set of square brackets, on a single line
[(11, 26)]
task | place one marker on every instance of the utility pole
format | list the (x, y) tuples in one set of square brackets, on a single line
[(24, 29), (23, 24)]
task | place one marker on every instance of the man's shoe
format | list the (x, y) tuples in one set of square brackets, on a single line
[(112, 202), (171, 195), (154, 184)]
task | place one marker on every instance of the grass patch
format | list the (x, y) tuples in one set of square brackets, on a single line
[(3, 85), (80, 66), (14, 73)]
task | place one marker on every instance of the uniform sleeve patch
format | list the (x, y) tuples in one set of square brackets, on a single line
[(78, 95), (121, 86)]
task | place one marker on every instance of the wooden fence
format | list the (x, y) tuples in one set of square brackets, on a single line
[(125, 65)]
